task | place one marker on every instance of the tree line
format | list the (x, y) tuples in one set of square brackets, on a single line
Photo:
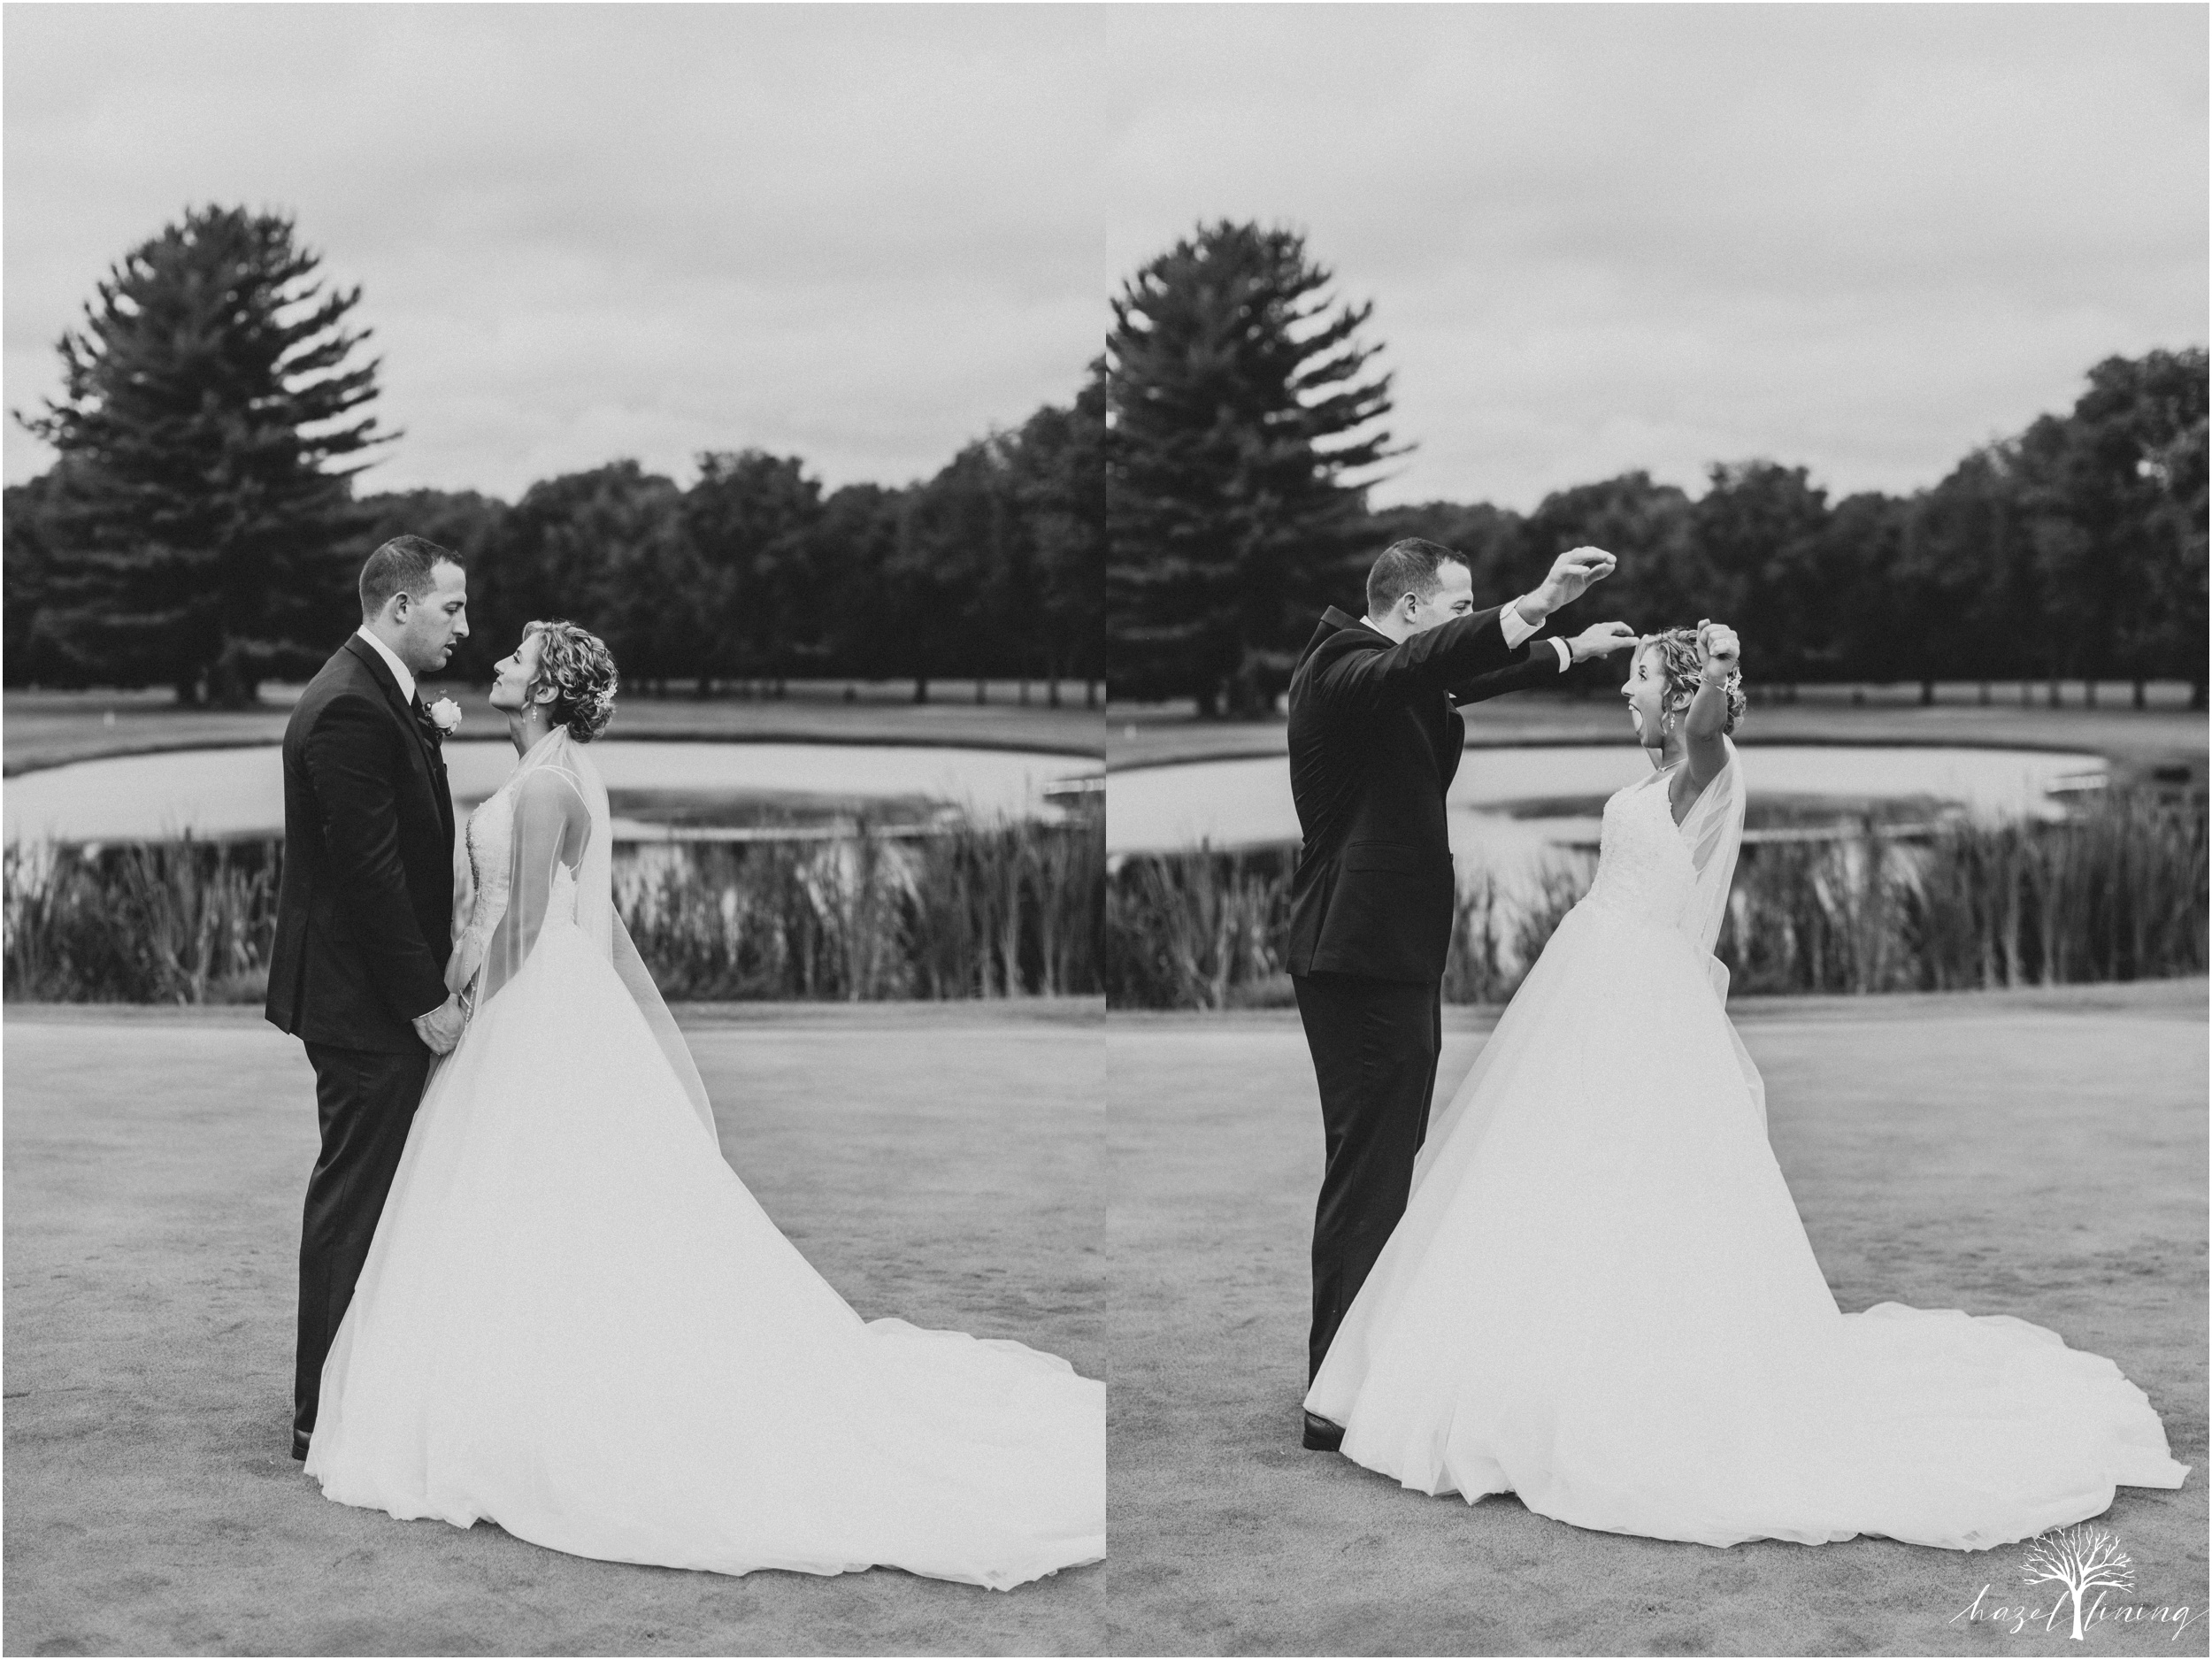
[(1246, 421), (753, 573), (201, 528), (1174, 528)]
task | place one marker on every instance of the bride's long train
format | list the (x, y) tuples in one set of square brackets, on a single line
[(1602, 1297), (575, 1321)]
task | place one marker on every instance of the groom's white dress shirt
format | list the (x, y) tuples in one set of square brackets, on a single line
[(405, 675), (1517, 628)]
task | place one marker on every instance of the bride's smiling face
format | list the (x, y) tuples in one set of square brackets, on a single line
[(512, 676), (1646, 690)]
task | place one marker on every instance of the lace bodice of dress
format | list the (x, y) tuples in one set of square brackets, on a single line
[(1644, 866), (489, 839)]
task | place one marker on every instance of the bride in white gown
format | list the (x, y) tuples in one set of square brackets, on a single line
[(577, 1323), (1601, 1297)]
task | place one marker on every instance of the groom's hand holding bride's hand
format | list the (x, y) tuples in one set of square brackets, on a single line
[(1570, 578), (1601, 640), (441, 1029)]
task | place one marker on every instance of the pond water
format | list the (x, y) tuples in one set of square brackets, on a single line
[(658, 791), (1511, 807)]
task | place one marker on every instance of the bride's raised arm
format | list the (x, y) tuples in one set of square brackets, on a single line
[(552, 825), (1704, 727)]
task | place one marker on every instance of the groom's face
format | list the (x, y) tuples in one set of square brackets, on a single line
[(434, 622), (1453, 595)]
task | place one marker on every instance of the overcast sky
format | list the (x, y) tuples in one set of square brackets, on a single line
[(1860, 238)]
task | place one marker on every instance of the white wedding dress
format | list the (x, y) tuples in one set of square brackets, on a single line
[(575, 1321), (1601, 1298)]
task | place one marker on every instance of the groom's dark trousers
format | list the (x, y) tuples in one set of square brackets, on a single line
[(1374, 744), (365, 924)]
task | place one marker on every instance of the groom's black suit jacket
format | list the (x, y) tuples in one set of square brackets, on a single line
[(365, 910), (1374, 744)]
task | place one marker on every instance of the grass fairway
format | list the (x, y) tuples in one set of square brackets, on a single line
[(2035, 1154), (943, 1163)]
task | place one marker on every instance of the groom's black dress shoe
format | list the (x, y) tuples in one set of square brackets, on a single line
[(299, 1448), (1323, 1437)]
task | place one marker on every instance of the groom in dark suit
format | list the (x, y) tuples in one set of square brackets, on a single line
[(1374, 744), (364, 916)]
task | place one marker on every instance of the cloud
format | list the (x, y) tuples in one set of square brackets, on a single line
[(1599, 237), (589, 231)]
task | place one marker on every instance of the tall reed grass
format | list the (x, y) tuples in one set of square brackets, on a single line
[(985, 911), (1198, 930), (1207, 930), (175, 922), (978, 910), (2117, 892)]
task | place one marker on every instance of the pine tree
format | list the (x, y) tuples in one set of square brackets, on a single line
[(201, 533), (1239, 413)]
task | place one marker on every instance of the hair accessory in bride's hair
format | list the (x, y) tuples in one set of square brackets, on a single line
[(1684, 668), (580, 669)]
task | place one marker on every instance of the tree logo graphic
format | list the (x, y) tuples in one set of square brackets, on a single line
[(2081, 1558), (2087, 1565)]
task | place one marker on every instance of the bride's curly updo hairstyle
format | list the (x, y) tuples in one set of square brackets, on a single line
[(1679, 662), (580, 669)]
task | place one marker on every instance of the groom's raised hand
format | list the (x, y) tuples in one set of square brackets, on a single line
[(1601, 640), (1571, 576)]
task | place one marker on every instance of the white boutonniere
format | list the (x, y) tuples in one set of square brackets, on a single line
[(447, 714)]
